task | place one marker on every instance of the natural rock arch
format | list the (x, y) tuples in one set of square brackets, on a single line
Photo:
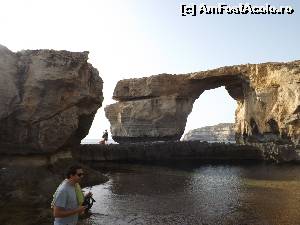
[(156, 107)]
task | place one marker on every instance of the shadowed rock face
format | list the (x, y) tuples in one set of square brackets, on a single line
[(48, 99), (157, 107)]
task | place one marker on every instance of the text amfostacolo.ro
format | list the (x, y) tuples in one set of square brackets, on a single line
[(241, 8)]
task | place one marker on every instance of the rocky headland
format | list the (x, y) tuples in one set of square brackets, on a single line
[(223, 132)]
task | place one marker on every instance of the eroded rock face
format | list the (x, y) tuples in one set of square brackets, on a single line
[(151, 109), (48, 99), (149, 119), (223, 132), (268, 97), (270, 109)]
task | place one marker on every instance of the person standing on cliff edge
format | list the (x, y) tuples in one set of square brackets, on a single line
[(104, 137), (66, 204)]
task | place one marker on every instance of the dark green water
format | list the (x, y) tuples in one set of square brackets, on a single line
[(199, 194)]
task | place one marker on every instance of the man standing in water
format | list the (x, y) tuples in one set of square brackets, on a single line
[(65, 202)]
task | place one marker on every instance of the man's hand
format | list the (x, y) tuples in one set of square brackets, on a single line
[(82, 209), (89, 194)]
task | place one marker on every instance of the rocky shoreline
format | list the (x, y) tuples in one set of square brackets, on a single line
[(26, 191), (186, 151), (167, 151)]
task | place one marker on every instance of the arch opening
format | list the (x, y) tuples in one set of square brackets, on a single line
[(212, 118)]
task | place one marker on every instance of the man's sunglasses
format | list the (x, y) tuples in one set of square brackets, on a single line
[(80, 174)]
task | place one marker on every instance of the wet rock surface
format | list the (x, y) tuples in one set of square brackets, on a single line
[(172, 151), (167, 151)]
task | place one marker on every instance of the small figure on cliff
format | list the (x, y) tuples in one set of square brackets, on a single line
[(104, 137), (68, 199)]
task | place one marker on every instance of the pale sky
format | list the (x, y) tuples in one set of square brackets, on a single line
[(137, 38)]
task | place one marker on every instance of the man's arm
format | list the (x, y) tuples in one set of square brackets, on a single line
[(60, 212)]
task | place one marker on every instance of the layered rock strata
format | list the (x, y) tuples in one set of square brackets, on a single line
[(156, 108), (48, 100), (223, 132)]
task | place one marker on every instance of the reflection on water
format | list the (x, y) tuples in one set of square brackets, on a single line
[(205, 194)]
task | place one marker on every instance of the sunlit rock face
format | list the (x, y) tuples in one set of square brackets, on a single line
[(156, 107), (223, 132), (151, 109), (48, 99), (270, 110)]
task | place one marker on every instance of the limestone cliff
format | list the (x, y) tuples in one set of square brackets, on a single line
[(48, 99), (223, 132), (156, 107)]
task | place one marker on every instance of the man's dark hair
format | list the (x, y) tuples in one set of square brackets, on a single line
[(73, 170)]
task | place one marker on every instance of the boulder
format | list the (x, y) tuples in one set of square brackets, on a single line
[(48, 99)]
